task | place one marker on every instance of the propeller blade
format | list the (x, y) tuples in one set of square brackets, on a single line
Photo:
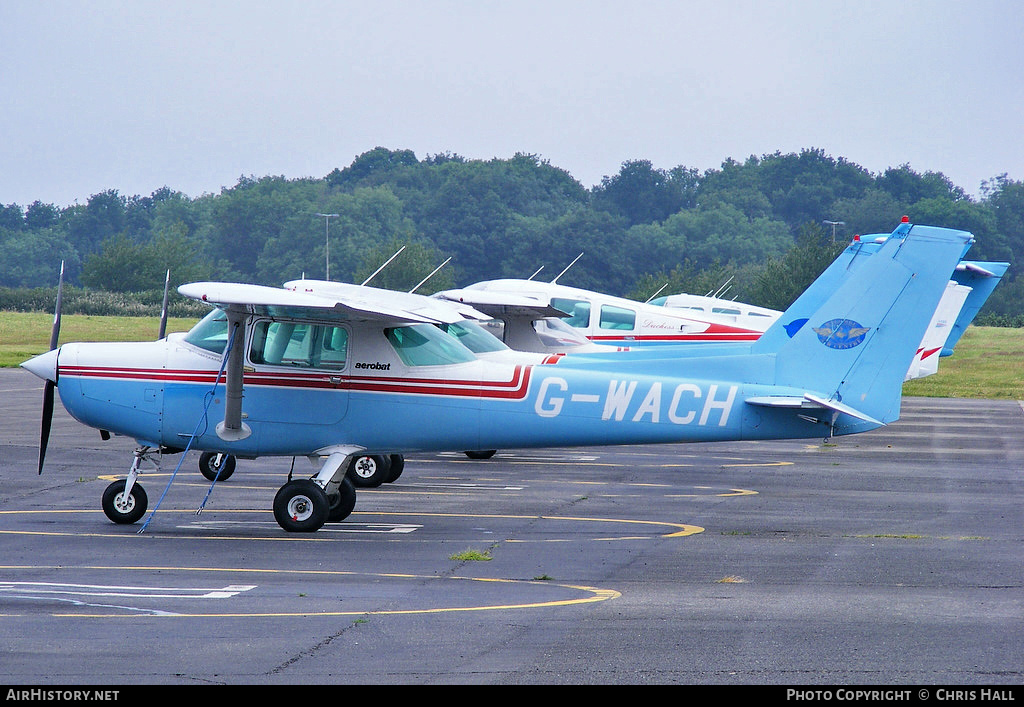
[(163, 310), (55, 331), (44, 429), (48, 387)]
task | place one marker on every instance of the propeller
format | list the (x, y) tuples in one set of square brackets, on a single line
[(163, 309), (49, 385)]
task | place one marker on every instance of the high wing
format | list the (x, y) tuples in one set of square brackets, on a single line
[(373, 299), (259, 299), (497, 304)]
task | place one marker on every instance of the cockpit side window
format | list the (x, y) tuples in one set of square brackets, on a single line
[(298, 344), (211, 333), (578, 311)]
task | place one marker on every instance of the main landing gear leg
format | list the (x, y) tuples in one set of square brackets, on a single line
[(304, 505)]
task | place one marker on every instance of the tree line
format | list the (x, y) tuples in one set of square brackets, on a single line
[(758, 230)]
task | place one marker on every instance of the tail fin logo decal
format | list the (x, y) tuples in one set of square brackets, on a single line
[(841, 333), (794, 326)]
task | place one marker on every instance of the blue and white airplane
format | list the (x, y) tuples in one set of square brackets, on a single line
[(279, 372)]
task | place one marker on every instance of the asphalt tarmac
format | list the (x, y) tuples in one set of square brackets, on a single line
[(891, 558)]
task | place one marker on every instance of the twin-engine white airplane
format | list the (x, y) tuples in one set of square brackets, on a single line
[(528, 310), (282, 372), (547, 316)]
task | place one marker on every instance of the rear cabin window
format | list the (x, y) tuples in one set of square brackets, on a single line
[(299, 345), (617, 317)]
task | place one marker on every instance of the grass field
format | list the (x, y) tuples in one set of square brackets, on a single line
[(26, 334), (988, 363)]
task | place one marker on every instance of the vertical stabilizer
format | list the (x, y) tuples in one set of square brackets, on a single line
[(856, 347)]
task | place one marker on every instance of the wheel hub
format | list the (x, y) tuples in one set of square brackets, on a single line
[(300, 508), (365, 467), (123, 503)]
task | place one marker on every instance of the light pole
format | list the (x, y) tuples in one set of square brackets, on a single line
[(834, 224), (327, 239)]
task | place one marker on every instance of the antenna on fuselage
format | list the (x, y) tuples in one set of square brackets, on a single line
[(566, 268), (648, 300), (535, 272), (386, 263), (724, 288), (434, 272)]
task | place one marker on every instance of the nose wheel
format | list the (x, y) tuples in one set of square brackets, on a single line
[(121, 507)]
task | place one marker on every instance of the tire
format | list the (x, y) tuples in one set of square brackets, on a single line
[(208, 466), (301, 506), (128, 511), (342, 503), (482, 454), (369, 470), (397, 467)]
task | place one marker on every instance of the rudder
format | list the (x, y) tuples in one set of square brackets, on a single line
[(855, 349)]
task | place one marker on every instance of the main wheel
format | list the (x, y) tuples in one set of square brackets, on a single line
[(209, 465), (397, 467), (342, 503), (124, 509), (369, 470), (482, 454), (301, 506)]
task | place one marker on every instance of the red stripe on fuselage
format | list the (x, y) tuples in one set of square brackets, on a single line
[(512, 389), (714, 332)]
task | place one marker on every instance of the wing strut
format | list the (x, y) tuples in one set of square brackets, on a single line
[(232, 428)]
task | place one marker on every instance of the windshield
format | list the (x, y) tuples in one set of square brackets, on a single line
[(426, 345), (211, 333), (474, 337)]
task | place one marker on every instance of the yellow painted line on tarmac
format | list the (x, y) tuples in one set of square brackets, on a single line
[(593, 594), (731, 493), (682, 530), (678, 530), (760, 464)]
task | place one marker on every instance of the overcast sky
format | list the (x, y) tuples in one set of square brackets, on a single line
[(141, 94)]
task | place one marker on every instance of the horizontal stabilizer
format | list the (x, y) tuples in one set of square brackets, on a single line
[(975, 268), (808, 401)]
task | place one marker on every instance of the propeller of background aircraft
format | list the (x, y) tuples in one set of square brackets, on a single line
[(163, 308)]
